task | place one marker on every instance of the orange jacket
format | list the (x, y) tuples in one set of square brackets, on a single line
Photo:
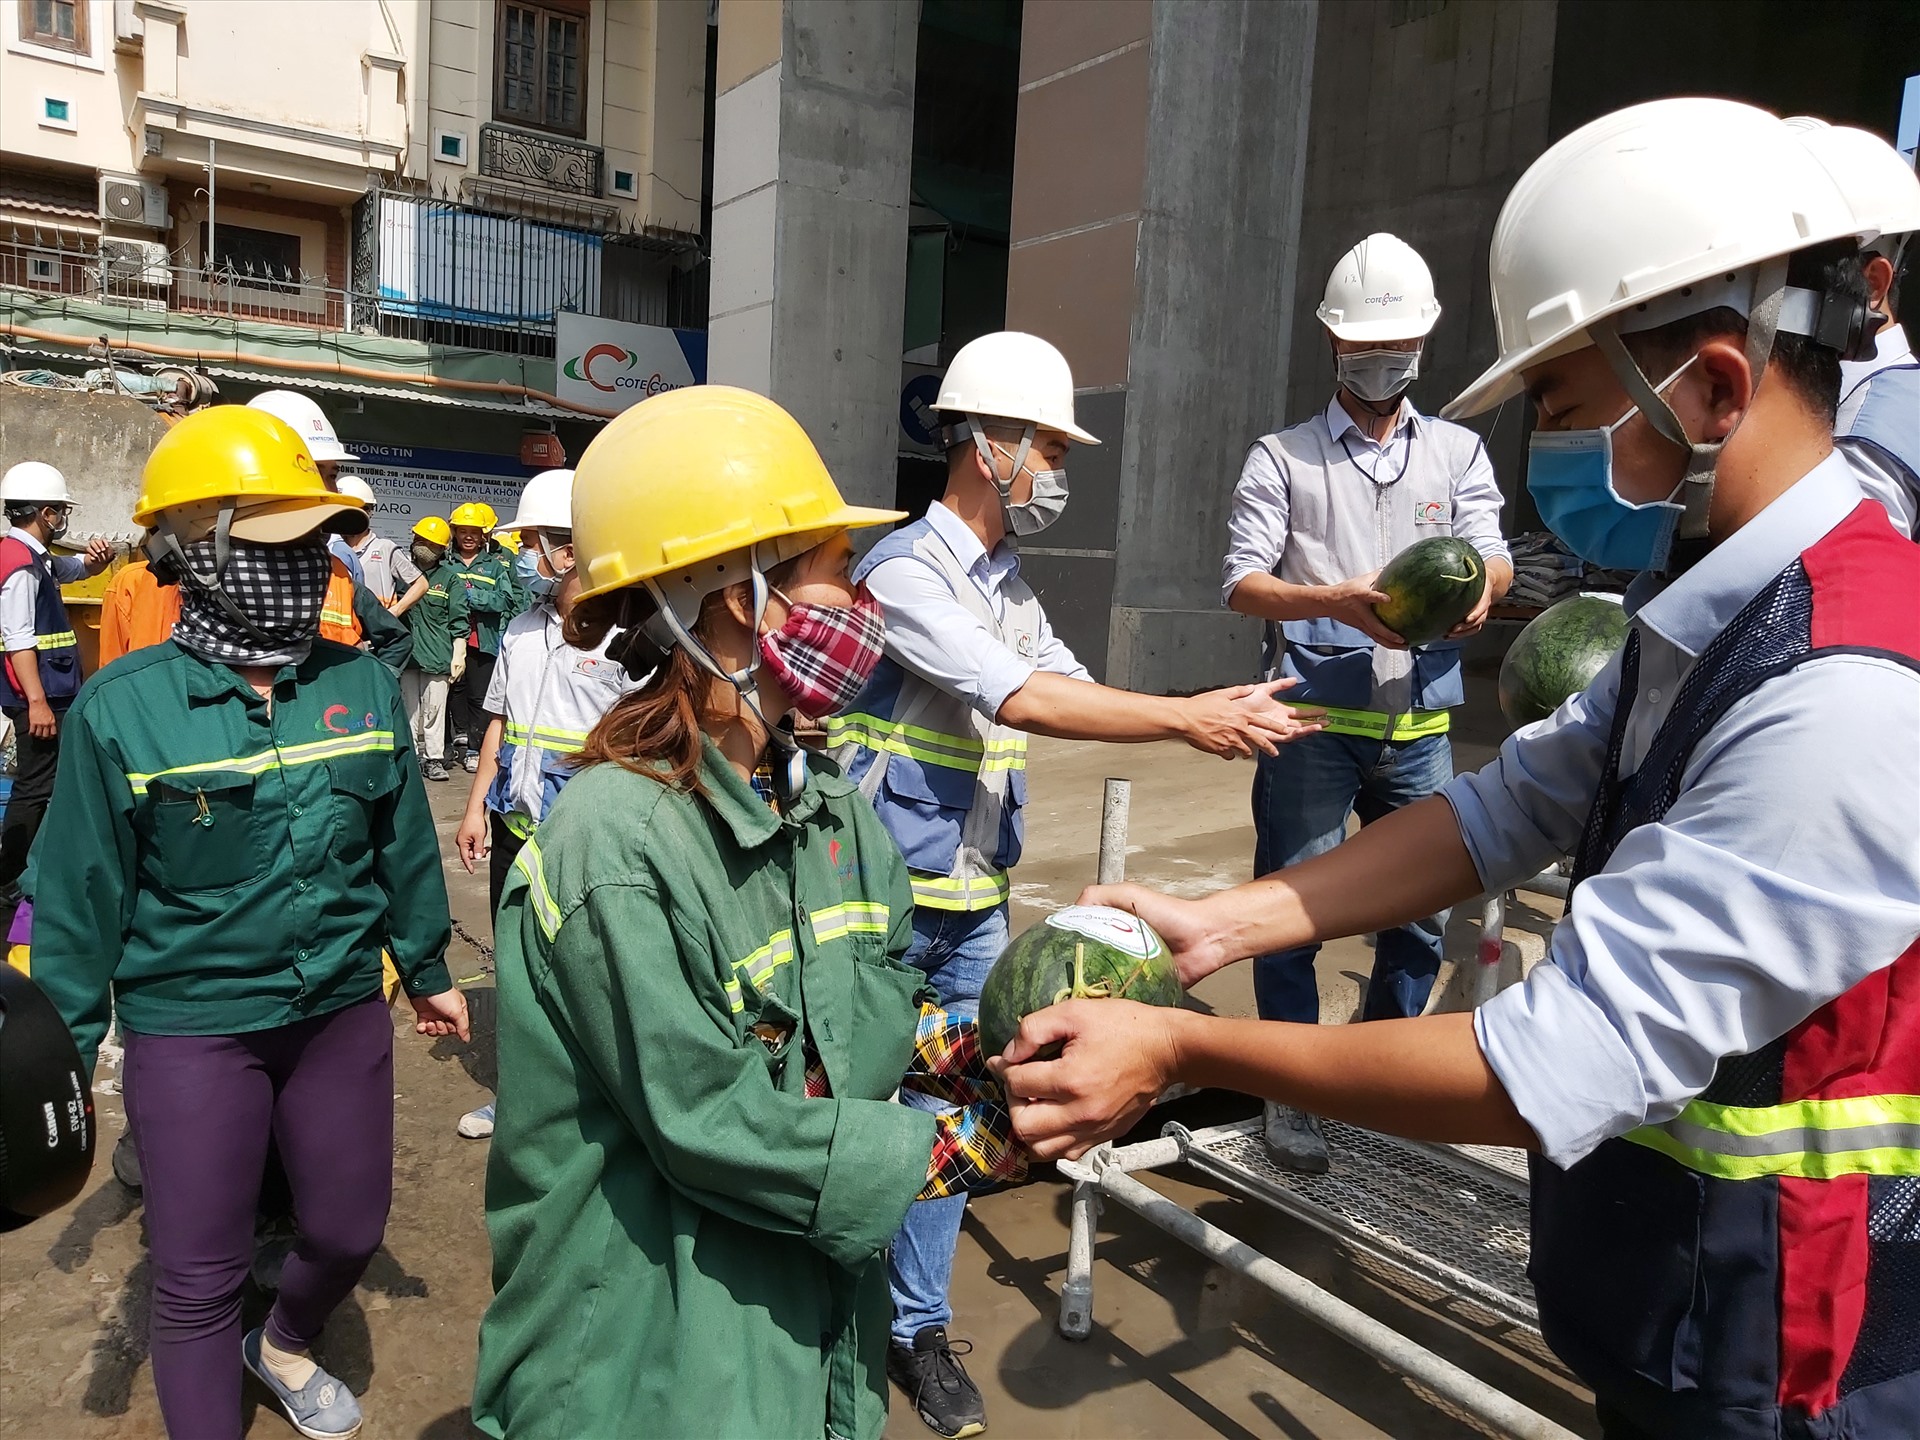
[(136, 611), (337, 620)]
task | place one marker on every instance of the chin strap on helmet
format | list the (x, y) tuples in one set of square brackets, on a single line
[(168, 559)]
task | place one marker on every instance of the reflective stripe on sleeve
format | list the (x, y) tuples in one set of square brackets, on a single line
[(529, 864)]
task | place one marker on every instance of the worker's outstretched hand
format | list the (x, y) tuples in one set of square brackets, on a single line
[(1241, 719), (472, 840), (442, 1014), (1114, 1059), (1197, 950)]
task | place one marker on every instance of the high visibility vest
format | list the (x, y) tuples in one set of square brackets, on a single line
[(947, 783), (1887, 424), (1749, 1268), (337, 620), (57, 647)]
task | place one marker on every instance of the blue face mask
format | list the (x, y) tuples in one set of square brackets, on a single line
[(526, 570), (1570, 476)]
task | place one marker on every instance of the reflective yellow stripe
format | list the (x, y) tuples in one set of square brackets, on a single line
[(930, 747), (518, 824), (55, 642), (529, 864), (334, 617), (366, 742), (544, 738), (1373, 724), (980, 892), (853, 917), (477, 579), (1814, 1139), (758, 967)]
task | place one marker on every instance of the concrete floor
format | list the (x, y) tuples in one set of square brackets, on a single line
[(1180, 1347)]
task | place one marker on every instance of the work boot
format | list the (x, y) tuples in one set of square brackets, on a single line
[(436, 770), (126, 1163), (932, 1377), (1294, 1140)]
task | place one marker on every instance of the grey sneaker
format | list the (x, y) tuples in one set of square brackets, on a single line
[(1294, 1140), (471, 764), (477, 1124), (322, 1409), (436, 769)]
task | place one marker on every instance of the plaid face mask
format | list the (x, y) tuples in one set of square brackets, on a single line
[(823, 654), (278, 588)]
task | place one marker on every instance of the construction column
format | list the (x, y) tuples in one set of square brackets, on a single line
[(812, 155), (1158, 167)]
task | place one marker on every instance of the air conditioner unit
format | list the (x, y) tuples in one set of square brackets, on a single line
[(129, 200), (135, 262)]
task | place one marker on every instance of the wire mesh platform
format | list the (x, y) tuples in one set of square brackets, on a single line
[(1456, 1220)]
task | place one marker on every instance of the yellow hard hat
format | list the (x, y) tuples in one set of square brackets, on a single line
[(256, 461), (476, 513), (434, 530), (696, 474)]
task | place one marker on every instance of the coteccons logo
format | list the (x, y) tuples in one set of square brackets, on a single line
[(1385, 297), (612, 376)]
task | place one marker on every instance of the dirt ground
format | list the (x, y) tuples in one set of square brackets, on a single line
[(1180, 1347)]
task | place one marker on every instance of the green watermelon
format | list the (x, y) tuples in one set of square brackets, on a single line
[(1434, 584), (1081, 952), (1558, 655)]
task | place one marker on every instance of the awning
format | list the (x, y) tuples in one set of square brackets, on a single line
[(455, 399)]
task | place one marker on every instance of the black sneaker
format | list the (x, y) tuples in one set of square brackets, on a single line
[(930, 1373)]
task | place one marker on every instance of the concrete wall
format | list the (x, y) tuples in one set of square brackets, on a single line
[(1229, 86), (1423, 118), (813, 141), (99, 442)]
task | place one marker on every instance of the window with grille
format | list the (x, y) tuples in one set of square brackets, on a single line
[(540, 74), (260, 257), (61, 24)]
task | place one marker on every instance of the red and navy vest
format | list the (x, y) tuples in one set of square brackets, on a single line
[(1750, 1270), (58, 647)]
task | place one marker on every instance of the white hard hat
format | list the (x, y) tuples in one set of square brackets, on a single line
[(1009, 375), (1380, 290), (308, 420), (1652, 213), (1876, 179), (355, 486), (34, 480), (545, 504)]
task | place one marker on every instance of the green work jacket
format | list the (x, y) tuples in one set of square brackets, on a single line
[(438, 618), (224, 866), (684, 1243), (493, 597)]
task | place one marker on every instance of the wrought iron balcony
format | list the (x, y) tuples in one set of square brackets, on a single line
[(568, 166)]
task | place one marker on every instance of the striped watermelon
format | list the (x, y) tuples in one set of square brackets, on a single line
[(1081, 952)]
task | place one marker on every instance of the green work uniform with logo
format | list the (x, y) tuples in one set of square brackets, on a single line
[(492, 596), (684, 1242), (224, 865), (438, 618)]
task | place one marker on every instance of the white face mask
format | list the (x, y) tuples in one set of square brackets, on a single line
[(1377, 375)]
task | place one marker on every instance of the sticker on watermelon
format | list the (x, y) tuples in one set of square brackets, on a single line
[(1085, 952)]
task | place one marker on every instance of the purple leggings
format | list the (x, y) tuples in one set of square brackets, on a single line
[(201, 1108)]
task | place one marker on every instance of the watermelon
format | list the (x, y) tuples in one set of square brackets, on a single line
[(1081, 952), (1433, 585), (1558, 655)]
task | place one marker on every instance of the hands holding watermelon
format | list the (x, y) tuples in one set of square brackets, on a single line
[(1351, 602), (1115, 1059)]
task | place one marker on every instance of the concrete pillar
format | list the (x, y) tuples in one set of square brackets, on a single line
[(813, 146), (1157, 179)]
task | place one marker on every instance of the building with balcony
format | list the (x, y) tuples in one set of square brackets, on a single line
[(404, 207)]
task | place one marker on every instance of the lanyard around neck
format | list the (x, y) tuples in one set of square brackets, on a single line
[(1373, 475)]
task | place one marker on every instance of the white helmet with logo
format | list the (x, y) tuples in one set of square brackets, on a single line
[(1380, 290), (34, 482), (308, 420), (1877, 181), (1644, 216), (545, 504), (1009, 375)]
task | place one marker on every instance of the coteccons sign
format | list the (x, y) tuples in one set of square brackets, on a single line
[(610, 364)]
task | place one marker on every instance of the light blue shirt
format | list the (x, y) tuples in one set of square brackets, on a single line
[(1787, 871), (945, 643)]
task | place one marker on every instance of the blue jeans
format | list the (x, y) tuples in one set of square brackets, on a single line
[(956, 949), (1301, 800)]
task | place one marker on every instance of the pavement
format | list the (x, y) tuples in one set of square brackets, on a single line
[(1180, 1347)]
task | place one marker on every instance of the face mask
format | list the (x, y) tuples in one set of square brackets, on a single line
[(275, 593), (1039, 510), (823, 654), (1377, 375), (526, 569), (425, 556), (1570, 476)]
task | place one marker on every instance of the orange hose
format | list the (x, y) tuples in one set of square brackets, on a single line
[(322, 367)]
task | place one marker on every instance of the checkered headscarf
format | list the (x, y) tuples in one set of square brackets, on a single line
[(278, 588)]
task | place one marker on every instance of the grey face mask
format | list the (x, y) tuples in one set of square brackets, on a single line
[(1377, 375), (1048, 500)]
